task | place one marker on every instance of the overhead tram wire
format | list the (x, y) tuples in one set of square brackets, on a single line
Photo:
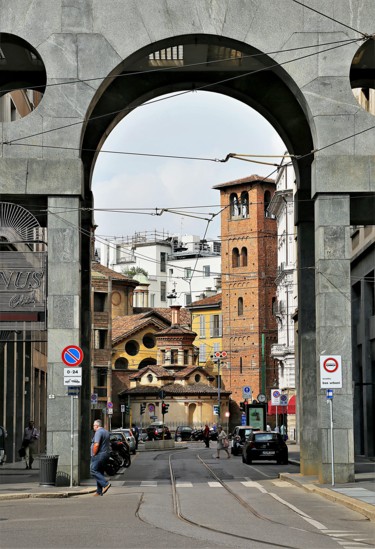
[(171, 96), (364, 35)]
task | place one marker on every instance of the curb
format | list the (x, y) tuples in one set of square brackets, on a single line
[(47, 495), (363, 508)]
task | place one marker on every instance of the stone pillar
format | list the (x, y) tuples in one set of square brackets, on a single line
[(333, 332), (305, 357), (64, 307)]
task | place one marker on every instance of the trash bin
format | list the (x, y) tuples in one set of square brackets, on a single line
[(48, 470)]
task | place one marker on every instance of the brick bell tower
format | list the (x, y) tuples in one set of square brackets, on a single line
[(249, 263)]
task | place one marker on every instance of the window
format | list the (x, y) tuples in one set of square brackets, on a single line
[(202, 326), (170, 273), (215, 325), (150, 378), (244, 204), (235, 257), (102, 377), (187, 299), (162, 356), (206, 270), (163, 291), (100, 339), (244, 257), (121, 364), (197, 378), (163, 262), (240, 306), (216, 348), (99, 302), (174, 356), (234, 206), (202, 353), (188, 272), (267, 200), (186, 356), (149, 341), (132, 347)]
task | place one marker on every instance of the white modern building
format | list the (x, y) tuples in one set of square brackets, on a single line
[(180, 269), (285, 305)]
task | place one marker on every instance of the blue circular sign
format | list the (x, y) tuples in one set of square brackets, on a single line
[(72, 355)]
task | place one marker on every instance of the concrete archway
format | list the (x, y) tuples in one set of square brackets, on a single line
[(48, 158)]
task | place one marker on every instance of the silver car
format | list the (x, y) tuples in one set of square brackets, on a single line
[(129, 437)]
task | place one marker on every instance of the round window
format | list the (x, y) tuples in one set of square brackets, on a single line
[(150, 377), (149, 341), (121, 363), (132, 347)]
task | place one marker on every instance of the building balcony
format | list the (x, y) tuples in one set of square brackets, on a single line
[(280, 351)]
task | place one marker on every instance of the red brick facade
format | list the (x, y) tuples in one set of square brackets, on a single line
[(249, 262)]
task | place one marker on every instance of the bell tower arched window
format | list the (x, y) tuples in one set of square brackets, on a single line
[(267, 200), (244, 257), (235, 257), (234, 205), (244, 204)]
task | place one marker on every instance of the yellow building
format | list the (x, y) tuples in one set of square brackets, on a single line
[(206, 321)]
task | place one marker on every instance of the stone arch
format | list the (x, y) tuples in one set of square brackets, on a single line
[(308, 105)]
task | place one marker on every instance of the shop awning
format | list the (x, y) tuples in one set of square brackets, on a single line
[(290, 408)]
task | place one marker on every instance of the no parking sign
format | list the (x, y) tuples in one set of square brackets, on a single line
[(330, 372)]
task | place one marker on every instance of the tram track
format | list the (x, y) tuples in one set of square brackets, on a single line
[(249, 508)]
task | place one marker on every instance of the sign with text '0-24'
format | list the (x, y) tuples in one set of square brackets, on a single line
[(330, 372)]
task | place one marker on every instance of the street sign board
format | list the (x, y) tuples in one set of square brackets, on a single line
[(283, 400), (94, 398), (73, 372), (243, 419), (122, 408), (246, 392), (329, 394), (110, 411), (109, 405), (73, 391), (330, 372), (72, 355), (275, 397), (73, 381)]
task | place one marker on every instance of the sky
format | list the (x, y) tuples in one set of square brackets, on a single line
[(198, 124)]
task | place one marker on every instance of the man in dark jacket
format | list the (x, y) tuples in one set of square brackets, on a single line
[(100, 449)]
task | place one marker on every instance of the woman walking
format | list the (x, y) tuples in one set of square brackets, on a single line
[(222, 442)]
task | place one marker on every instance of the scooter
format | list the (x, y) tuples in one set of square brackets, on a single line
[(123, 452)]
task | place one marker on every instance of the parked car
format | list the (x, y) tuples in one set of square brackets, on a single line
[(183, 432), (129, 437), (265, 445), (155, 431), (239, 436), (197, 434)]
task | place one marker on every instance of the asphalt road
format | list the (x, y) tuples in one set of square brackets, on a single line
[(219, 503)]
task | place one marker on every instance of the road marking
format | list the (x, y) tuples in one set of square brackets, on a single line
[(215, 485), (303, 515), (184, 485), (251, 484), (148, 483)]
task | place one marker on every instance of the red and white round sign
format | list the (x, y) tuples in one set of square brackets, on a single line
[(330, 372), (330, 364)]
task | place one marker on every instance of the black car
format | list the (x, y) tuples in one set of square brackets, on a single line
[(155, 432), (183, 432), (239, 436), (263, 445)]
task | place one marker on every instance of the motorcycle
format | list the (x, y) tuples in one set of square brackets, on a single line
[(123, 452)]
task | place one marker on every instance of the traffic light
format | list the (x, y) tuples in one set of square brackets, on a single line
[(127, 409), (164, 408), (143, 408), (242, 406), (216, 410)]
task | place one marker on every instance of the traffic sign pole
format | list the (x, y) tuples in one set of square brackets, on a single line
[(330, 402)]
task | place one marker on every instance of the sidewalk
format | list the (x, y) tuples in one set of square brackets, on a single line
[(18, 483), (358, 496)]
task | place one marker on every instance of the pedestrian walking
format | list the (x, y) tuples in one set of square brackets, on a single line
[(100, 449), (30, 436), (222, 442), (136, 435), (206, 435)]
